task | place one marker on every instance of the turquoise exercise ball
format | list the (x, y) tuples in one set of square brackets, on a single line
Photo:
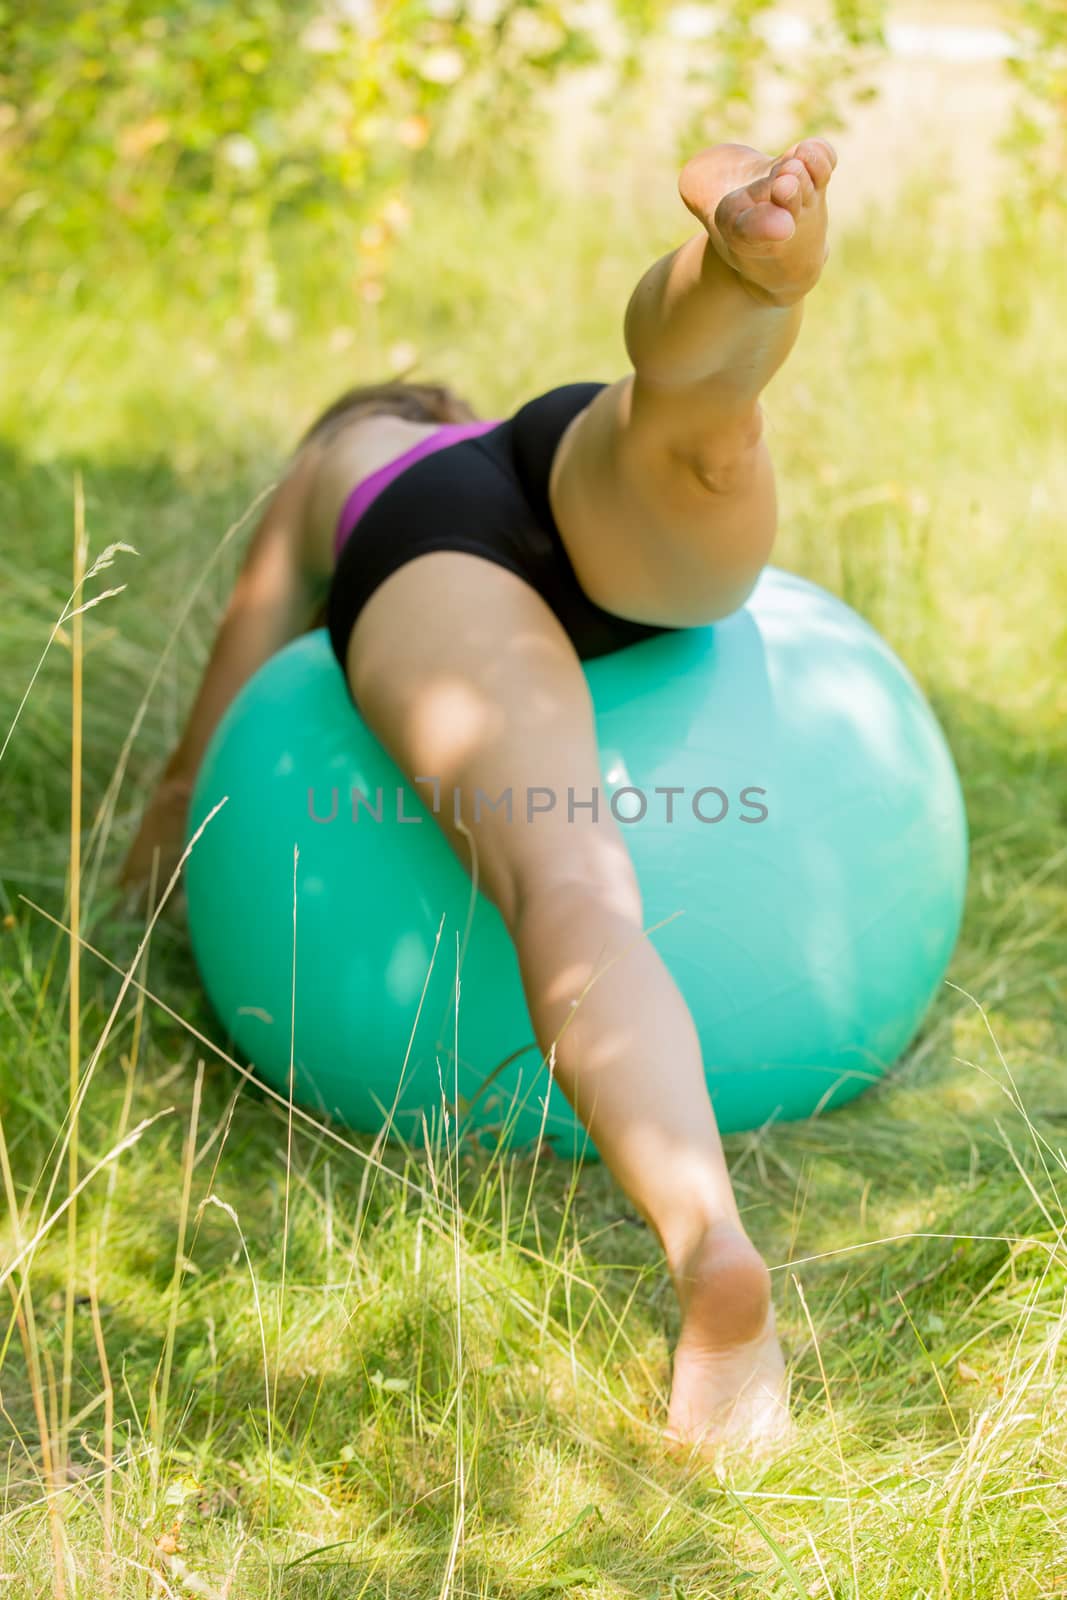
[(794, 818)]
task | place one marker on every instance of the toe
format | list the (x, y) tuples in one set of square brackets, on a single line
[(819, 157), (794, 167), (786, 191), (752, 216), (760, 193)]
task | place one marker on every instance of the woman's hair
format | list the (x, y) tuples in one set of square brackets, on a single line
[(417, 402)]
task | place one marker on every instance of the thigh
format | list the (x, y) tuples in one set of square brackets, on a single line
[(647, 537), (469, 681)]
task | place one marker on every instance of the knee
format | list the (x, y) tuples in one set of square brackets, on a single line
[(600, 879), (726, 460)]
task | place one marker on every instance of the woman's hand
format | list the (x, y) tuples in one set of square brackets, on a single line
[(162, 831)]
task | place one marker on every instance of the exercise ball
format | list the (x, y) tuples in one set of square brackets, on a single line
[(795, 821)]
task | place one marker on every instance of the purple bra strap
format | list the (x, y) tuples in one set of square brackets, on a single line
[(370, 488)]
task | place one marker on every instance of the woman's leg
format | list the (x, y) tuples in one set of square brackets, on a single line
[(467, 677), (664, 492)]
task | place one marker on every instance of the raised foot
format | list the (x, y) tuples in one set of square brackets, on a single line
[(766, 218), (729, 1384)]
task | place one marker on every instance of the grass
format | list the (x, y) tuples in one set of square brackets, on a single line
[(309, 1366)]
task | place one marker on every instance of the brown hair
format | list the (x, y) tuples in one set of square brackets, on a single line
[(417, 402)]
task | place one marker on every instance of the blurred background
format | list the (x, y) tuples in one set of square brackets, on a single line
[(322, 175)]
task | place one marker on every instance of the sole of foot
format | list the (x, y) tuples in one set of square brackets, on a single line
[(766, 217), (729, 1382)]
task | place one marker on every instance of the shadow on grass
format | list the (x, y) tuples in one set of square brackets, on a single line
[(176, 529), (919, 1154)]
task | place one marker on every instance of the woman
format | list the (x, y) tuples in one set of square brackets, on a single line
[(469, 568)]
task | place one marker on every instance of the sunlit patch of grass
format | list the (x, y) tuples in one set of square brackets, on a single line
[(458, 1391)]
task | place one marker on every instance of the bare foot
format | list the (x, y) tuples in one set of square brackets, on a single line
[(766, 218), (729, 1383)]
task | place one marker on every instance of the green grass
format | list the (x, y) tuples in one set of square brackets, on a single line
[(452, 1381)]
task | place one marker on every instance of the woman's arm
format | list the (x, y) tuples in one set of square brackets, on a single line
[(273, 601)]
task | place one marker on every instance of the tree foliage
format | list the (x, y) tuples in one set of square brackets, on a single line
[(123, 119), (200, 130), (1039, 130)]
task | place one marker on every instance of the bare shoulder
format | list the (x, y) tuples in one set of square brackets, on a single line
[(316, 488), (334, 464)]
